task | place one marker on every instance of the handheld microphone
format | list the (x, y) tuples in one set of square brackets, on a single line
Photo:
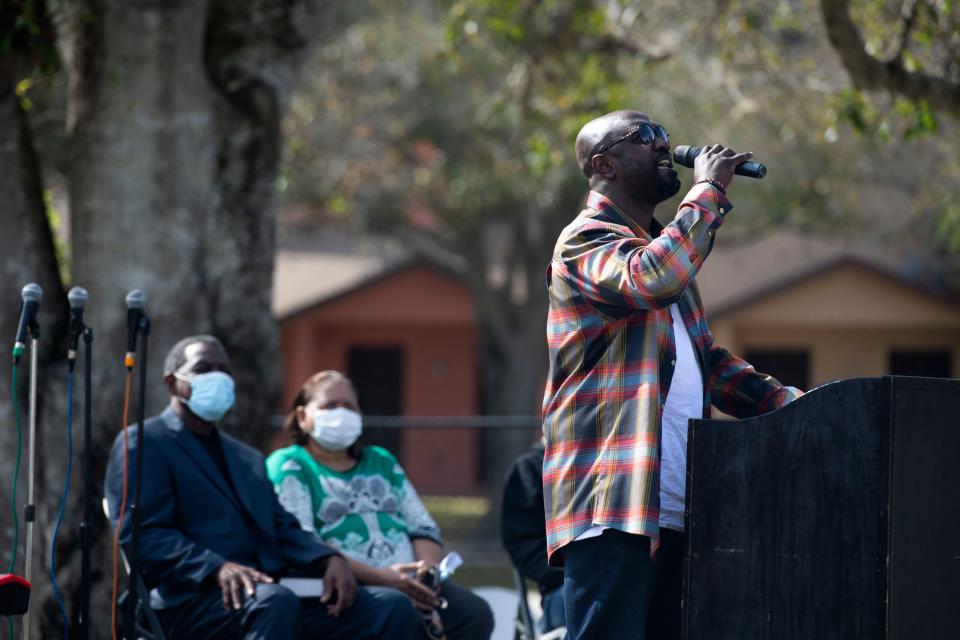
[(685, 155), (31, 296), (78, 300), (135, 302)]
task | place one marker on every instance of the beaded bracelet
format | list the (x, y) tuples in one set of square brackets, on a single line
[(713, 183)]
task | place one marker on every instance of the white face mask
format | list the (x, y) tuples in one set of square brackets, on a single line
[(336, 429)]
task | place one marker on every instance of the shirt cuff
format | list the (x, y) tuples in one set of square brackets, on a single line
[(708, 196)]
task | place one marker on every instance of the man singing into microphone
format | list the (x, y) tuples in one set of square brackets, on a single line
[(631, 361)]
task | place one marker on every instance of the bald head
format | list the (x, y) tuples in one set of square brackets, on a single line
[(602, 130)]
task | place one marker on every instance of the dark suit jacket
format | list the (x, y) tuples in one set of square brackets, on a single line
[(192, 521)]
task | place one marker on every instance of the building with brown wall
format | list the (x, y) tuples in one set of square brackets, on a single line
[(808, 311), (812, 311), (405, 333)]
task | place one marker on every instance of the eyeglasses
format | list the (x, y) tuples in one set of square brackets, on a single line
[(645, 133)]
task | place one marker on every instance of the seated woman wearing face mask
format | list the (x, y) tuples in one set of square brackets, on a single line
[(359, 500)]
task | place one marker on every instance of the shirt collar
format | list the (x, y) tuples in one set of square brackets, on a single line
[(599, 202), (175, 423)]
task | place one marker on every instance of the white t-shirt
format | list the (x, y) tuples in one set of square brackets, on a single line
[(684, 401)]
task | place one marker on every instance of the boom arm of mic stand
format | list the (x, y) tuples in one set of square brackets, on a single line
[(132, 594)]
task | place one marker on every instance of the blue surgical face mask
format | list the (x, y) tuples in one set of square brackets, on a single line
[(211, 394)]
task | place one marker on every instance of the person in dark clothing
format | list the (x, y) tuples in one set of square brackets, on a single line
[(214, 539), (524, 533)]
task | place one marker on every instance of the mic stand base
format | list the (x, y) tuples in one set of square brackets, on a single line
[(14, 595)]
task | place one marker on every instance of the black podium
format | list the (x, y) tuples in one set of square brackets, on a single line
[(837, 516)]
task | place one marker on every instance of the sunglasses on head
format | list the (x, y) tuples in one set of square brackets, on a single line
[(645, 133)]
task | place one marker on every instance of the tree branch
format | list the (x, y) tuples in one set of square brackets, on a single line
[(909, 14), (870, 73)]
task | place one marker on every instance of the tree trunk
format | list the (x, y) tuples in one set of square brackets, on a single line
[(174, 115), (252, 64), (514, 356), (29, 256), (515, 331)]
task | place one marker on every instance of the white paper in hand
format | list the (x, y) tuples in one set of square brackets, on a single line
[(304, 587), (449, 564)]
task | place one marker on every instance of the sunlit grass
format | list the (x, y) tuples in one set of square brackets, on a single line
[(458, 516), (458, 506), (464, 522)]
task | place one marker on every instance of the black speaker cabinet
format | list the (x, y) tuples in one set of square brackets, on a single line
[(837, 516)]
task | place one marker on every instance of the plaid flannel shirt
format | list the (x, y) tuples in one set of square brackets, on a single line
[(612, 356)]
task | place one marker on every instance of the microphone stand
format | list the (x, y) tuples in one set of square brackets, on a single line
[(132, 593), (85, 537), (30, 510)]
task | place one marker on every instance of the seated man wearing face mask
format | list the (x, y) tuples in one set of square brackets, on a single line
[(359, 500), (213, 538)]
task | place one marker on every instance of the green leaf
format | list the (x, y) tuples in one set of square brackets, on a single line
[(948, 227)]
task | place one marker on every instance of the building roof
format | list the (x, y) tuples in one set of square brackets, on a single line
[(740, 274), (313, 267), (310, 272), (303, 279), (316, 268)]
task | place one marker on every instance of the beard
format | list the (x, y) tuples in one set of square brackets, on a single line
[(648, 183)]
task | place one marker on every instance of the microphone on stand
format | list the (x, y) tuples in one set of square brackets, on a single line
[(78, 300), (685, 155), (31, 296), (135, 303), (15, 591), (137, 323)]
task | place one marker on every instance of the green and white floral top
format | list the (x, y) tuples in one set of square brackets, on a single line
[(370, 513)]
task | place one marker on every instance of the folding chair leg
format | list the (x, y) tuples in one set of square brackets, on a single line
[(525, 623)]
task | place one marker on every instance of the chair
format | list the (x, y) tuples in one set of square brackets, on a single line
[(526, 627), (147, 625), (526, 630)]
